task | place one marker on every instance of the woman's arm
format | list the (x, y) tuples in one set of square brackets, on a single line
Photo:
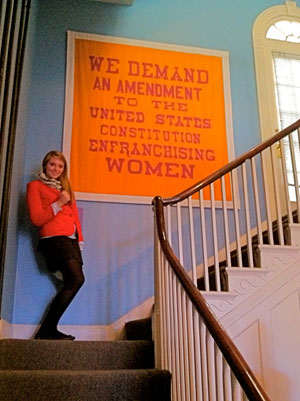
[(77, 221), (39, 213)]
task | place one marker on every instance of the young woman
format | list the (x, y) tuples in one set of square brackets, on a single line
[(53, 209)]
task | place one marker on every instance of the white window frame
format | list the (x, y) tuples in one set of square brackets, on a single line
[(263, 56)]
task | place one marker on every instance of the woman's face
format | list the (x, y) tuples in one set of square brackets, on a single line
[(54, 168)]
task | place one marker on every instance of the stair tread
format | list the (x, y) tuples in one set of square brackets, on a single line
[(49, 370), (248, 270), (125, 385), (278, 246), (85, 372), (55, 354)]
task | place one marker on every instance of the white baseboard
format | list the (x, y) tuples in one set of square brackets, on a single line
[(114, 331), (6, 330)]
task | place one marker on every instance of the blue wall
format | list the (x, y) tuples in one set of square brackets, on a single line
[(118, 250)]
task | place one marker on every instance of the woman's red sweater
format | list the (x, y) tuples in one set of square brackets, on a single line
[(39, 200)]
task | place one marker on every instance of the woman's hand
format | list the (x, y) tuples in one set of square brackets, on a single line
[(64, 198)]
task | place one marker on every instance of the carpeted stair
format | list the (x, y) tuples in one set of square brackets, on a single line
[(44, 370), (140, 329)]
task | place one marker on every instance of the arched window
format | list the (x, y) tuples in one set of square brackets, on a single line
[(285, 30), (276, 41)]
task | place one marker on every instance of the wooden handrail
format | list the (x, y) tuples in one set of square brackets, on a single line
[(243, 373), (231, 165)]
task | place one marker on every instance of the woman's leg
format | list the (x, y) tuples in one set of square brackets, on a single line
[(73, 279)]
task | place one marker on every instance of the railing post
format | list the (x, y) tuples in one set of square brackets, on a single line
[(156, 326)]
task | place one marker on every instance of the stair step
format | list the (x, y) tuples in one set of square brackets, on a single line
[(294, 234), (242, 280), (89, 385), (278, 256), (220, 302), (140, 329), (18, 354)]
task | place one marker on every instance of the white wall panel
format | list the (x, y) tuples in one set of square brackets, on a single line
[(286, 345), (268, 337)]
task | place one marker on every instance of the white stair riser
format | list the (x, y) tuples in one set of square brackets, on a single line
[(295, 234), (278, 256), (241, 280)]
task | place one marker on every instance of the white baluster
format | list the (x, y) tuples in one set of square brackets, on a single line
[(277, 201), (225, 216), (179, 230), (196, 326), (219, 375), (215, 238), (204, 363), (192, 240), (256, 200), (295, 173), (236, 217), (185, 347), (285, 180), (191, 350), (211, 367), (247, 216), (267, 197), (204, 243)]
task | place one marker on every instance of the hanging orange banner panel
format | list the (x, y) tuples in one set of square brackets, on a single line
[(142, 121)]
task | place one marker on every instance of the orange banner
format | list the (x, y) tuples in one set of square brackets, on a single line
[(146, 121)]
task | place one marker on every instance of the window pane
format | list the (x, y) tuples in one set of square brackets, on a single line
[(285, 30), (296, 29), (284, 26), (274, 33), (287, 78)]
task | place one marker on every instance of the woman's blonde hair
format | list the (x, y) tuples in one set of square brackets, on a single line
[(64, 179)]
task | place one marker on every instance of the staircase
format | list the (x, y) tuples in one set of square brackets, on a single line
[(46, 370), (235, 339), (238, 230)]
